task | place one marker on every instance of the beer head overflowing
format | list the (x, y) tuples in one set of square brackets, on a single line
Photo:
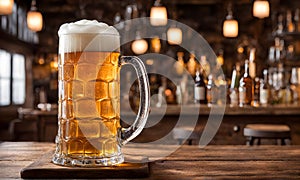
[(88, 35)]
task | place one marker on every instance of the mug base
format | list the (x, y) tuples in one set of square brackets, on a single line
[(87, 162)]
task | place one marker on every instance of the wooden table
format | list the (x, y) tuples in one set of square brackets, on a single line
[(188, 162)]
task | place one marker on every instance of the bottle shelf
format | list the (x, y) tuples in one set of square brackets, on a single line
[(203, 109)]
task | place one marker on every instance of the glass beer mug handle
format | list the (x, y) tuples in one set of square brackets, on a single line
[(135, 129)]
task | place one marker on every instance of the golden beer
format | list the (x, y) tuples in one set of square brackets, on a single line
[(89, 132), (89, 103)]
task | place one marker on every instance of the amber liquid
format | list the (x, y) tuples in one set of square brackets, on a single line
[(89, 112), (246, 88)]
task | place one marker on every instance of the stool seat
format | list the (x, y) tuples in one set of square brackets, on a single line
[(270, 131), (185, 133)]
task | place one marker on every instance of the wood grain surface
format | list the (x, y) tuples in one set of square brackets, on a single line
[(42, 168), (187, 162)]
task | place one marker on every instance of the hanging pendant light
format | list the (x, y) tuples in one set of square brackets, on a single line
[(139, 46), (261, 9), (230, 25), (158, 14), (230, 28), (174, 36), (34, 18), (6, 7)]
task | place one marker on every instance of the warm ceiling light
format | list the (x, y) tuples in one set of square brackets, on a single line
[(6, 7), (230, 25), (158, 15), (34, 18), (174, 36), (230, 28), (139, 46), (261, 9)]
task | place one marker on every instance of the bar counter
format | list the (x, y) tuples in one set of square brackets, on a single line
[(163, 119), (187, 162), (200, 109), (203, 109), (233, 120)]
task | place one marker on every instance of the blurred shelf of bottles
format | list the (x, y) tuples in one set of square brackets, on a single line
[(203, 82), (277, 85), (189, 81), (15, 24), (286, 35)]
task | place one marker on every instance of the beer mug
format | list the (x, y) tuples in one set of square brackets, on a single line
[(89, 132)]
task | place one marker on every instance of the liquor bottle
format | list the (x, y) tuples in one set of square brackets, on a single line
[(275, 86), (252, 65), (289, 22), (169, 90), (288, 92), (233, 91), (246, 87), (290, 52), (285, 91), (206, 67), (281, 85), (295, 86), (279, 29), (275, 52), (264, 90), (221, 90), (282, 52), (200, 88), (178, 95), (184, 88), (192, 65), (161, 100), (271, 55), (271, 72), (256, 91), (279, 51), (179, 64), (252, 73), (212, 91)]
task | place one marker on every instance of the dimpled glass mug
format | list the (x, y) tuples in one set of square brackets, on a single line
[(89, 132)]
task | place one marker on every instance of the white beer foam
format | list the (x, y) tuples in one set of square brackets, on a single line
[(88, 35)]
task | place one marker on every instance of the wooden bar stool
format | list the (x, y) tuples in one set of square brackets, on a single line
[(267, 131), (185, 133)]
